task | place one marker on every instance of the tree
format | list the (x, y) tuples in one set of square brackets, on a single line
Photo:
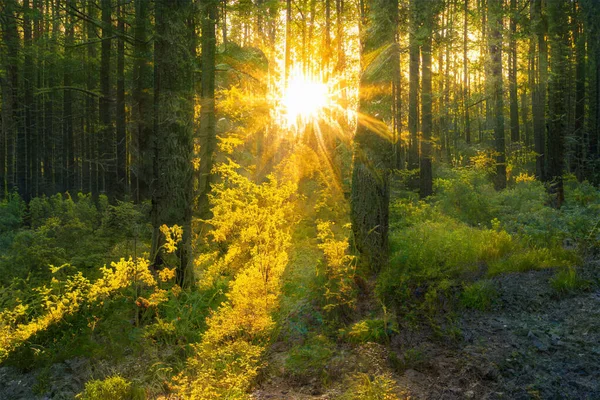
[(413, 89), (172, 191), (558, 33), (142, 104), (496, 85), (539, 91), (207, 133), (372, 151), (425, 169)]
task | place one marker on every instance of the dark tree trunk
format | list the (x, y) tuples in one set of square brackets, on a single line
[(512, 75), (466, 74), (557, 32), (172, 190), (10, 86), (539, 91), (495, 40), (413, 88), (425, 172), (372, 160), (122, 181), (68, 145), (106, 147), (580, 95), (90, 164), (142, 104)]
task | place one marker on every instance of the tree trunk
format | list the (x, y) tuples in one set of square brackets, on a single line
[(557, 32), (425, 173), (106, 153), (512, 75), (466, 75), (68, 147), (495, 40), (207, 134), (122, 181), (142, 104), (413, 88), (539, 91), (172, 191), (372, 159)]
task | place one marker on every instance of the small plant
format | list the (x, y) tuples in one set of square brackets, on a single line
[(112, 388), (567, 281), (480, 295), (410, 359), (309, 360), (366, 387), (370, 330)]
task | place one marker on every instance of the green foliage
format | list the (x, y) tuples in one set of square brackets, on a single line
[(479, 295), (567, 281), (363, 386), (309, 359), (370, 330), (410, 359), (339, 271), (465, 194), (83, 233), (111, 388), (444, 248), (532, 259)]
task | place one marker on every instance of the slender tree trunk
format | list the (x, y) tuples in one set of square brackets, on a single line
[(580, 94), (288, 42), (466, 74), (142, 104), (557, 31), (122, 181), (425, 172), (207, 132), (495, 21), (106, 153), (413, 89), (68, 147), (10, 85), (512, 76), (539, 92)]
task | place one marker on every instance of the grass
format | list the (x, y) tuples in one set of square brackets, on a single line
[(479, 295), (567, 281)]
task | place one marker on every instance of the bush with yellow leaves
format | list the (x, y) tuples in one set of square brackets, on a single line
[(253, 222)]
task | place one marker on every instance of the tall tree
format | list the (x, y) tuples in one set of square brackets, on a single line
[(142, 103), (372, 150), (558, 34), (539, 91), (207, 134), (121, 177), (413, 89), (466, 73), (496, 86), (512, 75), (172, 190), (425, 169), (68, 148), (107, 136)]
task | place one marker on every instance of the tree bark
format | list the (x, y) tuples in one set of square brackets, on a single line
[(172, 190), (495, 40)]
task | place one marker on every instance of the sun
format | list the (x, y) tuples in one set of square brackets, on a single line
[(304, 100)]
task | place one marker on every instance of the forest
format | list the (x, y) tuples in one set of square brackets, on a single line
[(299, 199)]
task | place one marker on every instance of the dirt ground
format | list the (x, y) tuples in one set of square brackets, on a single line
[(533, 344)]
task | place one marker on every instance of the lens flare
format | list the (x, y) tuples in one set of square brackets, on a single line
[(303, 100)]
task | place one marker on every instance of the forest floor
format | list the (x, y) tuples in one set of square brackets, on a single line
[(533, 344)]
